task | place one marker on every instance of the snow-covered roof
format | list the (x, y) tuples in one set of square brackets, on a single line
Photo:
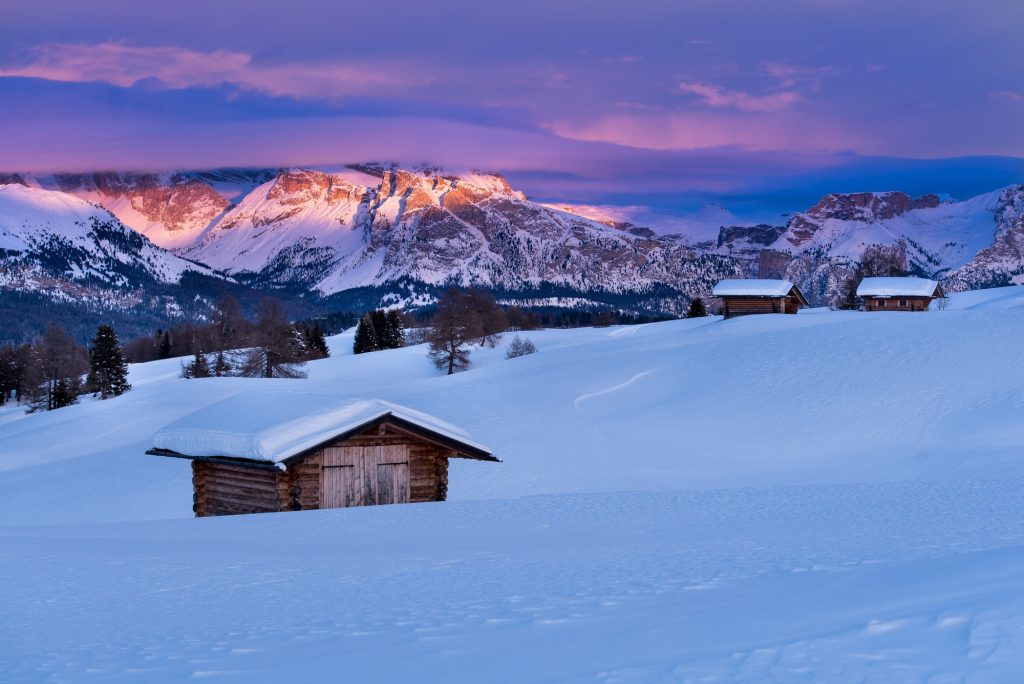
[(273, 426), (896, 287), (752, 287)]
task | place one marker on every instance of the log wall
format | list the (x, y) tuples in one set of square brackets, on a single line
[(220, 489), (746, 306), (896, 303)]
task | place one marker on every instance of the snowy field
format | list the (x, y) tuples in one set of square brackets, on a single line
[(832, 496)]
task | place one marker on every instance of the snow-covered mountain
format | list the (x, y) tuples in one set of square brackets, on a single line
[(53, 239), (1003, 260), (966, 244), (171, 209), (398, 236), (64, 259), (333, 232)]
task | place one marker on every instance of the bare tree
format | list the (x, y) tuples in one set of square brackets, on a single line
[(229, 324), (454, 327), (877, 261), (277, 348), (54, 371)]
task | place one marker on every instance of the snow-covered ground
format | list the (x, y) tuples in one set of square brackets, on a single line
[(828, 496)]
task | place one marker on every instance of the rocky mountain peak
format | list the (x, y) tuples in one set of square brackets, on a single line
[(303, 186), (869, 206), (177, 203)]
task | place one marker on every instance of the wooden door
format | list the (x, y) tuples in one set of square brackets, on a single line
[(341, 484), (386, 474), (365, 476)]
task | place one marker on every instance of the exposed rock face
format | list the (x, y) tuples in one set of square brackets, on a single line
[(863, 207), (169, 210), (869, 206), (1002, 262), (747, 243), (773, 264)]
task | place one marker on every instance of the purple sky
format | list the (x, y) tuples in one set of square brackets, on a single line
[(572, 99)]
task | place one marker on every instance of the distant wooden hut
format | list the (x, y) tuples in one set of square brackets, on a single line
[(898, 294), (758, 296), (288, 451)]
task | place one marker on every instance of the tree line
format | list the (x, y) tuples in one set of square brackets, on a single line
[(227, 328), (230, 344), (54, 370), (463, 319)]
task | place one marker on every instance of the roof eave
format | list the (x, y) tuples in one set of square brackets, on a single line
[(461, 449), (255, 463)]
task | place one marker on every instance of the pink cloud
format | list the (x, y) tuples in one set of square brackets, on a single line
[(124, 65), (694, 130), (716, 96)]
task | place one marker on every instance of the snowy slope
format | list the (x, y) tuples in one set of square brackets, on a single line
[(867, 583), (941, 234), (172, 209), (49, 234), (301, 222), (826, 397), (863, 522)]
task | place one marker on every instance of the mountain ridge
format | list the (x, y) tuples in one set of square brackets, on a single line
[(377, 234)]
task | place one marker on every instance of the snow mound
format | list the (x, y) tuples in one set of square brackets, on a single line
[(896, 287), (752, 287), (274, 426)]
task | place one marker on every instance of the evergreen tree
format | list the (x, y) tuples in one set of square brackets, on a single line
[(197, 368), (379, 318), (65, 392), (222, 366), (366, 338), (108, 371), (697, 308), (395, 337), (316, 344), (8, 373), (165, 346)]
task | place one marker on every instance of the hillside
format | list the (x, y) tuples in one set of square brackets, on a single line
[(802, 383), (781, 493)]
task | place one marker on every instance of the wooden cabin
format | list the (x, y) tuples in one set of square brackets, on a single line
[(898, 294), (743, 297), (263, 453)]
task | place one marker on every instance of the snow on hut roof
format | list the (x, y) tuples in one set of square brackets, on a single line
[(896, 287), (752, 287), (273, 426)]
